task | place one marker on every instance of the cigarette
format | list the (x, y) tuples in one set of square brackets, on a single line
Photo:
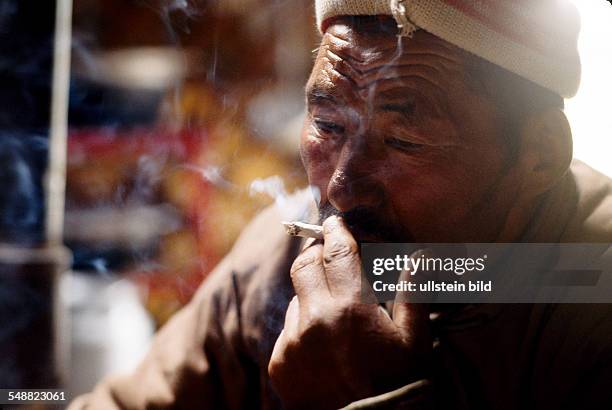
[(304, 230)]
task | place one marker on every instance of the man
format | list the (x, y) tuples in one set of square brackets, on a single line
[(453, 132)]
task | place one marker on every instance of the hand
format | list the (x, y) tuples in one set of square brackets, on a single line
[(334, 348)]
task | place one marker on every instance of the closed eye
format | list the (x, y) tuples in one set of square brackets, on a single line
[(328, 127), (403, 145)]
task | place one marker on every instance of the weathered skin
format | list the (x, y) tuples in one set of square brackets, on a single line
[(413, 135), (440, 171)]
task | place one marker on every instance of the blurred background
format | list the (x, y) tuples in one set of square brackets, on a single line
[(183, 122)]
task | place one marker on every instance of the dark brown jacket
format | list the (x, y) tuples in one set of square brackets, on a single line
[(214, 353)]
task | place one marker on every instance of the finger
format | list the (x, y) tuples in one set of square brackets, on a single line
[(292, 317), (412, 320), (409, 316), (409, 275), (277, 356), (308, 275), (406, 312), (341, 258), (309, 242), (289, 331)]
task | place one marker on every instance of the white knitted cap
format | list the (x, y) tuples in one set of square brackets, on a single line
[(536, 39)]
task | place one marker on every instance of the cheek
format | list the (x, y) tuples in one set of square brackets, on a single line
[(437, 195), (318, 160)]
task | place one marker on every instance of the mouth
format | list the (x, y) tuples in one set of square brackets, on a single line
[(362, 236), (368, 225)]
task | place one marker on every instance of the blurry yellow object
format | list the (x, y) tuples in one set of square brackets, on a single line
[(179, 253)]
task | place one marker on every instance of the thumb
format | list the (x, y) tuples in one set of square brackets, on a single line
[(410, 312)]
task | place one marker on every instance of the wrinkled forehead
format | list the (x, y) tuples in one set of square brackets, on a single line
[(360, 54), (364, 38), (362, 31)]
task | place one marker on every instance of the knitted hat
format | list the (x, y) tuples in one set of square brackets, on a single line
[(536, 39)]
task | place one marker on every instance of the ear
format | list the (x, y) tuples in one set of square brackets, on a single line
[(546, 150)]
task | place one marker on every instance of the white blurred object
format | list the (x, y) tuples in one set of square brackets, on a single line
[(588, 112), (277, 115), (133, 226), (150, 68), (111, 330)]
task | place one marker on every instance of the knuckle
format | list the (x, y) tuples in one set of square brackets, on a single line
[(304, 261), (337, 249), (323, 322), (319, 321)]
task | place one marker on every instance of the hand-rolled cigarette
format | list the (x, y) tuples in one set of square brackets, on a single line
[(304, 230)]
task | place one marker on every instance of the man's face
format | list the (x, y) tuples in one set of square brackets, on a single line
[(404, 140)]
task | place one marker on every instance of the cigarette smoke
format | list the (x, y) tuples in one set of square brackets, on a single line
[(212, 174), (297, 205)]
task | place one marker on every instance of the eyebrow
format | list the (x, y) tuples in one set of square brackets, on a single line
[(405, 107), (405, 101), (390, 101), (317, 95), (394, 101)]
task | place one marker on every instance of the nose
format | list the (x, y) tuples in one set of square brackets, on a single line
[(354, 182)]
